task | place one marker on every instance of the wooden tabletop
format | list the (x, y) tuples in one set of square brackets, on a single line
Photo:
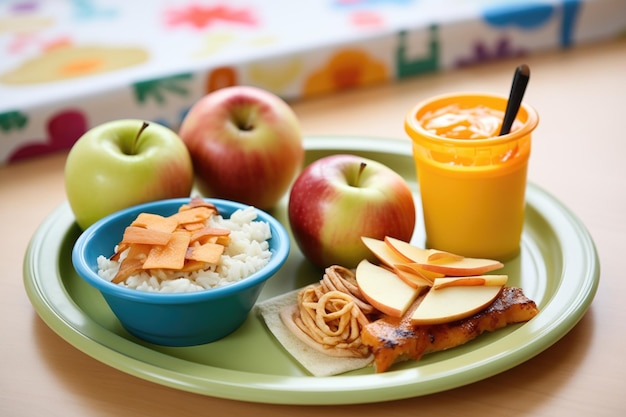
[(578, 156)]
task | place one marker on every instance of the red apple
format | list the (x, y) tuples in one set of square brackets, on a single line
[(245, 143), (340, 198)]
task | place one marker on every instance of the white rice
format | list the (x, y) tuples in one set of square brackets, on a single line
[(247, 253)]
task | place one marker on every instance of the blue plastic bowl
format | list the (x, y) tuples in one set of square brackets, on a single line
[(175, 319)]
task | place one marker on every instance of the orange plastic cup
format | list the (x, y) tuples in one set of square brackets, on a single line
[(472, 190)]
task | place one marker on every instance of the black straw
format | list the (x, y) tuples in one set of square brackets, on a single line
[(518, 88)]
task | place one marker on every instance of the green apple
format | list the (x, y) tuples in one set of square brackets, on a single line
[(122, 163)]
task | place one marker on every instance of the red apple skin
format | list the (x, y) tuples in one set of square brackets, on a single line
[(328, 215), (245, 143)]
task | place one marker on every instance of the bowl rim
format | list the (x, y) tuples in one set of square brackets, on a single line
[(279, 255)]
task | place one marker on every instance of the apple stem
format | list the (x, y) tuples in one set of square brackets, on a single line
[(359, 173), (141, 129)]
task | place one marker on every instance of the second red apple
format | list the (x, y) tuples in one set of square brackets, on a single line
[(340, 198), (245, 143)]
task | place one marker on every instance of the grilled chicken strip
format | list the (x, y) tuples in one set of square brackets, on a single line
[(396, 339)]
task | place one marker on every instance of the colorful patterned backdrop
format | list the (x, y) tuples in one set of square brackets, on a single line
[(67, 65)]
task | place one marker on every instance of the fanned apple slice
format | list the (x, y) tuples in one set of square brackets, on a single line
[(412, 276), (412, 253), (382, 251), (408, 272), (383, 289), (465, 267), (418, 270), (454, 268), (453, 303), (439, 256), (474, 281), (409, 252)]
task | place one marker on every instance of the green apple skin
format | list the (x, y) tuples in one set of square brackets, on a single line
[(246, 145), (329, 210), (106, 170)]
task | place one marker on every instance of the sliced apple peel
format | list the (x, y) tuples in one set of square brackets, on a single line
[(412, 276), (465, 267), (483, 280), (419, 271), (442, 262), (407, 251), (435, 256)]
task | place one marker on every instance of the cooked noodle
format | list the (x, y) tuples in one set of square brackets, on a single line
[(333, 312)]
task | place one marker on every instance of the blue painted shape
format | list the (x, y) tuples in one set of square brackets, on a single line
[(529, 16), (526, 15), (88, 9), (570, 13)]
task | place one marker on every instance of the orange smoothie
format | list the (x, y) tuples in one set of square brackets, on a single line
[(472, 181)]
